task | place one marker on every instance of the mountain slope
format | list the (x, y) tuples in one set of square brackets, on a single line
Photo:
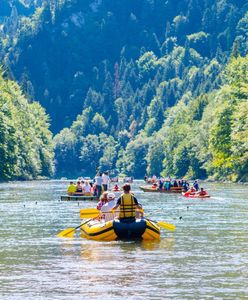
[(73, 47), (111, 71)]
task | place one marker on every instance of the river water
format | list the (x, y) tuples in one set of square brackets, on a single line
[(205, 258)]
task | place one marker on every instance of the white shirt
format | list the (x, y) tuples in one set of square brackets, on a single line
[(105, 179), (98, 180), (106, 210), (87, 188)]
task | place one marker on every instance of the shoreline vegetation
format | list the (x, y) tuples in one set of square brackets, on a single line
[(26, 147)]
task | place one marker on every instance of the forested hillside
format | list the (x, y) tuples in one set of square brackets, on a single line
[(66, 52), (12, 14), (140, 86), (26, 149)]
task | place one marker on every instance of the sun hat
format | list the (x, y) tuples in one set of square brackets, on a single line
[(111, 196)]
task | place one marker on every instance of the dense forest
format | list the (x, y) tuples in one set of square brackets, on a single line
[(145, 86), (26, 147)]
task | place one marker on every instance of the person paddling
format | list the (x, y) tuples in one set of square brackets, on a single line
[(128, 204)]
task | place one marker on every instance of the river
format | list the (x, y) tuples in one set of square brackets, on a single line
[(205, 258)]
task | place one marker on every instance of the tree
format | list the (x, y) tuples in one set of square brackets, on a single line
[(155, 156), (99, 124)]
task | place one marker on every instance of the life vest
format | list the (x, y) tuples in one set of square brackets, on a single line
[(127, 206)]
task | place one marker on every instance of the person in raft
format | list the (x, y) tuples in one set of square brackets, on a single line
[(103, 200), (87, 190), (71, 188), (196, 185), (128, 204), (202, 192), (106, 208), (190, 192), (79, 188), (116, 188)]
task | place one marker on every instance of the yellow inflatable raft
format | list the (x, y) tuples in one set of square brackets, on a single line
[(115, 230)]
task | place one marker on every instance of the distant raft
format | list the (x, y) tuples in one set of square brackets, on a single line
[(78, 198), (114, 179), (195, 195), (115, 230), (150, 189)]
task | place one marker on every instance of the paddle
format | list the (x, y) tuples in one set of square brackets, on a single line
[(89, 213), (167, 226), (69, 232), (94, 213)]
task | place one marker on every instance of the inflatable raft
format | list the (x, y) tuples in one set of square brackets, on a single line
[(157, 190), (116, 230), (195, 195)]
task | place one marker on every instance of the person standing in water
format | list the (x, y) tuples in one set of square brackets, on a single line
[(98, 182), (105, 181)]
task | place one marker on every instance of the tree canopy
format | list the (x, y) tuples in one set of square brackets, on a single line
[(26, 147)]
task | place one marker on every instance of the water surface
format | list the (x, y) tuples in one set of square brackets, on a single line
[(205, 258)]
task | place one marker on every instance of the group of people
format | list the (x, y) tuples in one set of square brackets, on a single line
[(80, 188), (167, 183), (194, 192), (101, 182), (90, 188), (124, 208)]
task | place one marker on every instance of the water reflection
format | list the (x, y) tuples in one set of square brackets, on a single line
[(97, 251)]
